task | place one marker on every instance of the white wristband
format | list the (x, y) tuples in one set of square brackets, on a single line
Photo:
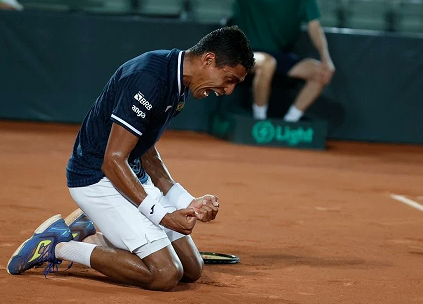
[(179, 197), (152, 209)]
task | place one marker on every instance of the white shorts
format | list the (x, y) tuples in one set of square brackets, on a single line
[(120, 221)]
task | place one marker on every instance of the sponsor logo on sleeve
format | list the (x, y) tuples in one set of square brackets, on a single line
[(138, 111), (141, 99)]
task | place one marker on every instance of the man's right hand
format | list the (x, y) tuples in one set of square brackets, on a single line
[(182, 220), (327, 69)]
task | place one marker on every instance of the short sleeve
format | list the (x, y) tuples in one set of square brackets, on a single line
[(137, 96), (310, 10)]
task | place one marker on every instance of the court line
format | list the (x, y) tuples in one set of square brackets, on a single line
[(407, 201)]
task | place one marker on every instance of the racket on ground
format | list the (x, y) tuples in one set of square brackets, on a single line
[(218, 258)]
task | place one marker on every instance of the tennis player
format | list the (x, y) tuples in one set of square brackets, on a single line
[(117, 177)]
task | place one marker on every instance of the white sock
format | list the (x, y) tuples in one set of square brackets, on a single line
[(77, 252), (259, 112), (293, 114)]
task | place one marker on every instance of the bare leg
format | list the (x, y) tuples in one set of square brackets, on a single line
[(308, 94), (185, 249), (264, 70), (161, 270), (307, 69), (190, 258)]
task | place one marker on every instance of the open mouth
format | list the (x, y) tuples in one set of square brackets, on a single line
[(206, 93)]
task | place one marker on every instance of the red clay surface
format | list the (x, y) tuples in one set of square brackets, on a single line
[(309, 226)]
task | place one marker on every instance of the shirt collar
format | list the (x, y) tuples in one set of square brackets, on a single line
[(180, 74)]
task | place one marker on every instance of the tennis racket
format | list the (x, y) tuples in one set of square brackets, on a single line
[(218, 258)]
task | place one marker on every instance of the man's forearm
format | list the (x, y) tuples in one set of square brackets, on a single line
[(156, 169), (124, 179), (318, 39)]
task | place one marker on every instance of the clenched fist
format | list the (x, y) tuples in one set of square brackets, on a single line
[(206, 207)]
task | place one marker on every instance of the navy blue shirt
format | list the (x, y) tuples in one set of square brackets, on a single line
[(142, 96)]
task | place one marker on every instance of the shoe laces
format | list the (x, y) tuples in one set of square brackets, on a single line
[(51, 267)]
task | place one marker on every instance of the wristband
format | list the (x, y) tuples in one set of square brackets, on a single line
[(152, 209), (179, 197)]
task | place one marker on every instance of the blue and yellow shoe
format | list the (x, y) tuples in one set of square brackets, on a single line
[(80, 225), (40, 247)]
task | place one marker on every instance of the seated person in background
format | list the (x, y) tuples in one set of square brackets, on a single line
[(273, 27), (10, 5)]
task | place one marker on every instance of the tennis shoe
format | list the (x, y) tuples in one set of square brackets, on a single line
[(80, 225), (39, 248)]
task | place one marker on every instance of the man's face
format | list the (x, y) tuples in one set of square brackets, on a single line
[(220, 80)]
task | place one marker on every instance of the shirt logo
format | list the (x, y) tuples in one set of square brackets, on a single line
[(138, 111), (180, 106), (140, 97), (152, 209), (167, 108)]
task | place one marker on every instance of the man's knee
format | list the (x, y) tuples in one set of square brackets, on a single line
[(318, 74), (312, 69), (265, 64), (166, 277), (193, 271), (309, 70)]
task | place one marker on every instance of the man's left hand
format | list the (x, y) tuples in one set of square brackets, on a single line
[(206, 207)]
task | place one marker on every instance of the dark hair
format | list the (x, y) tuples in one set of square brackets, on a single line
[(229, 44)]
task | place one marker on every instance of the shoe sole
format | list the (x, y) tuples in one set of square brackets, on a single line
[(40, 229), (71, 218)]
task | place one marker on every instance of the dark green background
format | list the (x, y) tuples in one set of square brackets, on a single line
[(53, 66)]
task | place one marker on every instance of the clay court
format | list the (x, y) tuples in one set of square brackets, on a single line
[(309, 226)]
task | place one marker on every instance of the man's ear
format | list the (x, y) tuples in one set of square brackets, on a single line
[(209, 58)]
